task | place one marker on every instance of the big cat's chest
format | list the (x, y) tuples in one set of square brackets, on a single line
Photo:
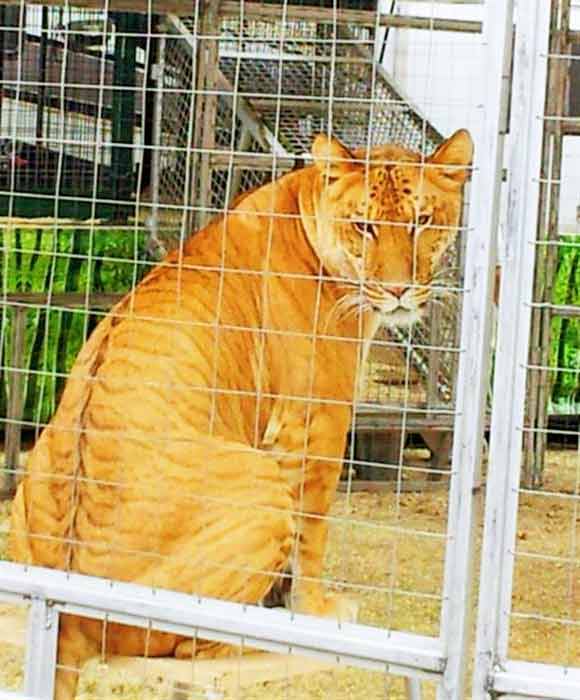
[(318, 369), (296, 431)]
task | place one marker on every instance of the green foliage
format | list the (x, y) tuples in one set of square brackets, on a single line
[(56, 261), (565, 345)]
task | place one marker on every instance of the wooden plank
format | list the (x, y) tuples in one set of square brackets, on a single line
[(248, 116), (69, 300), (318, 105), (231, 7), (223, 674), (410, 486), (559, 311), (430, 23), (226, 673), (359, 17), (253, 161), (390, 419), (256, 10), (160, 7)]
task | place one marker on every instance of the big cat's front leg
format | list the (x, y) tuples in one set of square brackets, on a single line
[(313, 478), (308, 594)]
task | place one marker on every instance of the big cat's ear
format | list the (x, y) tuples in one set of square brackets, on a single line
[(452, 160), (331, 157)]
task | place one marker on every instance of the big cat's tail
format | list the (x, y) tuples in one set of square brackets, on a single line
[(18, 545), (43, 510)]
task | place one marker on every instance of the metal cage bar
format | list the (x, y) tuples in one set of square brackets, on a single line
[(267, 629), (41, 649), (494, 672), (472, 382)]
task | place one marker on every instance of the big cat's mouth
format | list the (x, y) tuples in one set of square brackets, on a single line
[(401, 309), (399, 316)]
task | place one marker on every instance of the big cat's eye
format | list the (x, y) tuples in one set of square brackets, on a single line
[(423, 220), (365, 229)]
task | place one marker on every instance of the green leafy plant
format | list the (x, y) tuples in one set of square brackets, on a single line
[(54, 262), (565, 336)]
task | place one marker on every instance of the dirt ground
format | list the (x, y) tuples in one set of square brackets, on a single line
[(389, 549)]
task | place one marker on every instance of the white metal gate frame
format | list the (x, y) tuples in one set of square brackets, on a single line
[(442, 659), (495, 674)]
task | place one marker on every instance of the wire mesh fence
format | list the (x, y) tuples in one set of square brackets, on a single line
[(237, 427), (552, 484), (540, 503)]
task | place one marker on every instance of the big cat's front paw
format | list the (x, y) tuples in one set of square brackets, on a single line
[(331, 605), (342, 608)]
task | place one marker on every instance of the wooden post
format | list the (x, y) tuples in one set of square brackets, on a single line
[(244, 143), (540, 380), (15, 406), (439, 443), (205, 112), (434, 356)]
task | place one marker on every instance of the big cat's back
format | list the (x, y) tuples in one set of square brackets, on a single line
[(136, 394)]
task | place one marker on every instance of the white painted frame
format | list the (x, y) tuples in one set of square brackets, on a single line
[(494, 673), (416, 657), (473, 374)]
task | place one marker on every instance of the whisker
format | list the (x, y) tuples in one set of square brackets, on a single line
[(445, 292), (346, 306), (446, 271), (336, 310)]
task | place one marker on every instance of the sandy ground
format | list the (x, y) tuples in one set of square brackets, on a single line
[(388, 550)]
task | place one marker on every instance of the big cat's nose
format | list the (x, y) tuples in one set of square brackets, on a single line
[(397, 291)]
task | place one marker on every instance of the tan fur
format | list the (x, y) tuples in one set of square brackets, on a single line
[(199, 437)]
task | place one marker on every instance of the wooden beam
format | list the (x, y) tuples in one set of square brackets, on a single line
[(159, 7), (320, 105), (227, 673), (230, 7), (366, 18), (384, 420), (253, 161), (404, 486), (570, 126), (69, 300), (256, 10), (430, 23), (567, 312)]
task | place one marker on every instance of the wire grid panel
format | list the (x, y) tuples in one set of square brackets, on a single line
[(177, 92), (258, 409), (68, 126), (251, 57), (528, 642)]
